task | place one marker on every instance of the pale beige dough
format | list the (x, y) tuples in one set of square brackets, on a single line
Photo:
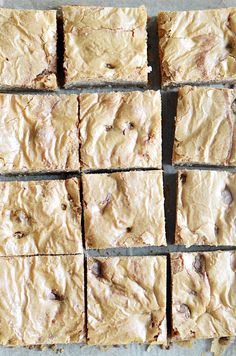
[(40, 217), (124, 209), (126, 300), (197, 46), (28, 41), (203, 295), (206, 208), (205, 130), (42, 300), (105, 45), (38, 133), (120, 130)]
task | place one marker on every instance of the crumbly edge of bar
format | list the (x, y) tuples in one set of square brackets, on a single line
[(186, 164), (91, 84), (170, 84), (17, 89)]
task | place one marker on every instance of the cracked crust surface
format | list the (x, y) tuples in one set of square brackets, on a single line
[(120, 130), (105, 45), (206, 208), (205, 130), (41, 217), (203, 294), (126, 300), (28, 56), (38, 133), (197, 46), (47, 296), (124, 209)]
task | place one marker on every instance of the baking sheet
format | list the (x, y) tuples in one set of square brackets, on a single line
[(169, 106)]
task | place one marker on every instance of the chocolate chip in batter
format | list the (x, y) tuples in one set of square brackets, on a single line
[(227, 196), (129, 126), (199, 264), (217, 230), (129, 229), (183, 178), (110, 66), (54, 295), (19, 235), (108, 127), (63, 206), (97, 268), (229, 47), (224, 340), (69, 197), (184, 309), (175, 332)]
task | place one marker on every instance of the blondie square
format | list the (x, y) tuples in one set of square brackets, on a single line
[(105, 45), (39, 133), (126, 300), (40, 217), (42, 300), (124, 209), (206, 208), (120, 130), (197, 46), (28, 49), (205, 127), (203, 295)]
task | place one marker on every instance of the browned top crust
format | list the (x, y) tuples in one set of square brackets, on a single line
[(206, 208), (197, 46), (28, 56), (38, 133), (124, 209), (205, 127), (42, 300), (105, 45), (127, 300), (120, 130), (40, 217), (203, 294)]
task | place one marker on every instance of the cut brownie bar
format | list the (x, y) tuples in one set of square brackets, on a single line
[(206, 208), (126, 300), (120, 130), (205, 127), (105, 45), (42, 300), (38, 133), (203, 295), (124, 209), (40, 217), (197, 46), (28, 49)]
